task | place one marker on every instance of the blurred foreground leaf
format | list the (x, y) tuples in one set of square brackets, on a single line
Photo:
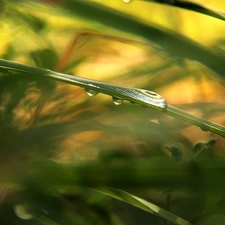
[(174, 43), (144, 205), (193, 6), (97, 16), (156, 172)]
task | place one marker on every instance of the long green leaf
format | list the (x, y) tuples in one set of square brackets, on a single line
[(174, 43), (143, 204), (98, 16), (193, 6), (139, 96)]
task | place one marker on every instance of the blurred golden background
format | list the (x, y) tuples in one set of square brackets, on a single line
[(39, 33)]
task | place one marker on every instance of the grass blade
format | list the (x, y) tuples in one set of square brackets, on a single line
[(97, 16), (193, 6), (143, 204), (139, 96), (205, 125), (175, 44)]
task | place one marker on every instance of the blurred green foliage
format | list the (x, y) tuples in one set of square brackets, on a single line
[(56, 143)]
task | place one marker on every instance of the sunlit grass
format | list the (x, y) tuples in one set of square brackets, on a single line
[(56, 142)]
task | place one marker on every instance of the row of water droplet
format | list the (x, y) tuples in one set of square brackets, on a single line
[(91, 93)]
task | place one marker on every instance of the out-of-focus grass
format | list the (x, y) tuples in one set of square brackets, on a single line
[(41, 118)]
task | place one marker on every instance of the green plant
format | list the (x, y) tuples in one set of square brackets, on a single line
[(39, 115)]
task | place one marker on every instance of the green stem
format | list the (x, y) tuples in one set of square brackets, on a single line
[(138, 96)]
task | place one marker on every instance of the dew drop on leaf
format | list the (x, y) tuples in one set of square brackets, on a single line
[(204, 128), (22, 213), (90, 92), (117, 101)]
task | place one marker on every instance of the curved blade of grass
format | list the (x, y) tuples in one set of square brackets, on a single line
[(177, 45), (99, 16), (193, 6), (143, 204), (205, 125), (133, 95)]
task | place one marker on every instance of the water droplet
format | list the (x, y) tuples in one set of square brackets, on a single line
[(127, 1), (117, 101), (155, 121), (90, 92), (153, 98), (21, 212), (204, 127)]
